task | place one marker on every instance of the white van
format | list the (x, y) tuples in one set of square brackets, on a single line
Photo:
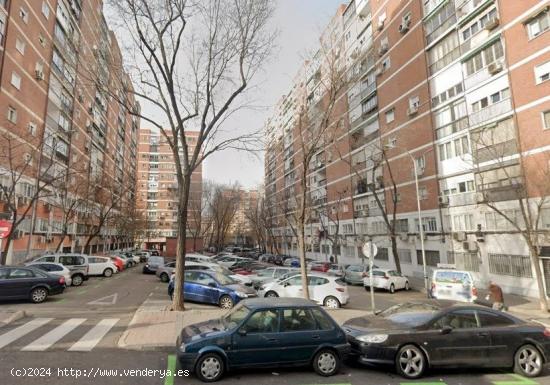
[(455, 285)]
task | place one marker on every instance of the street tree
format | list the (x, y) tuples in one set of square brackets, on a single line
[(224, 205), (192, 64)]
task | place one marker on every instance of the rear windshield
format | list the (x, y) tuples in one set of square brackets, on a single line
[(410, 314), (452, 277)]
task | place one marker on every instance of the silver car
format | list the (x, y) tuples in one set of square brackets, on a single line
[(165, 272), (354, 274), (269, 274)]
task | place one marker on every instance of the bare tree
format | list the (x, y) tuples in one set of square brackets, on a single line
[(257, 222), (502, 186), (223, 207), (191, 64)]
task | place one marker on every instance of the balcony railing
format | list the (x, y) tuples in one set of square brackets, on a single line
[(479, 76), (439, 30), (445, 60), (367, 91), (456, 126), (431, 5), (463, 199), (491, 112)]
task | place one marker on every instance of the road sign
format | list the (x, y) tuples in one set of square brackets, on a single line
[(368, 248), (5, 228)]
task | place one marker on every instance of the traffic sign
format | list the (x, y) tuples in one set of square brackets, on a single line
[(5, 228), (370, 248)]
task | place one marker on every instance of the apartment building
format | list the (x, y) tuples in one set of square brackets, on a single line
[(459, 91), (65, 103), (240, 230), (157, 189)]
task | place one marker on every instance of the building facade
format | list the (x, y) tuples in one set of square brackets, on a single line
[(157, 189), (240, 230), (459, 91), (69, 140)]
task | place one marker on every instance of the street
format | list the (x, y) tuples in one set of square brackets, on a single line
[(79, 330)]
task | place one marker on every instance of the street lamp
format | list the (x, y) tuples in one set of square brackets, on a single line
[(420, 224)]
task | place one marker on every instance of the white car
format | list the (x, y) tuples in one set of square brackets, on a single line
[(219, 269), (198, 258), (230, 260), (54, 269), (387, 279), (324, 289), (101, 266), (270, 274), (456, 285)]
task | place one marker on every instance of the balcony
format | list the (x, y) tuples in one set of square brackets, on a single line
[(429, 6), (497, 151), (445, 60), (491, 112), (367, 91), (456, 126), (463, 199), (430, 38), (483, 74)]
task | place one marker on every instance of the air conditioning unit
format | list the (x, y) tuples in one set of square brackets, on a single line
[(494, 68), (459, 236), (404, 26), (380, 26), (383, 49), (39, 74), (443, 200), (492, 24), (470, 246), (404, 237), (480, 198), (412, 110), (379, 71)]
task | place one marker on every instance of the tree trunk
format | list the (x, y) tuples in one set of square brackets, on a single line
[(178, 302), (302, 253), (394, 252), (60, 243), (535, 260)]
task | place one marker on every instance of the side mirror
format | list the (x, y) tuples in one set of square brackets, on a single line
[(242, 332), (286, 284), (446, 329), (212, 284)]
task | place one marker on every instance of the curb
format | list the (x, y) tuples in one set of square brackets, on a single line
[(14, 317)]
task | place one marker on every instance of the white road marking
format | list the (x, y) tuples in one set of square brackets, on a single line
[(108, 300), (53, 336), (20, 331), (94, 335)]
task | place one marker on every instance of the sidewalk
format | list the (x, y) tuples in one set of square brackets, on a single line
[(9, 316)]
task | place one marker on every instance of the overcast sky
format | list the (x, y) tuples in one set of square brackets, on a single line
[(300, 23)]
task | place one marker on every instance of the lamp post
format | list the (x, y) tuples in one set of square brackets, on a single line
[(419, 213)]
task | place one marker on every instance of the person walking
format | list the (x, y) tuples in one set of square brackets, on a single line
[(496, 296)]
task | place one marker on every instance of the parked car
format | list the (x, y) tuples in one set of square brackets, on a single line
[(256, 332), (101, 266), (268, 274), (322, 267), (214, 288), (142, 255), (413, 337), (30, 283), (199, 258), (164, 272), (56, 269), (324, 289), (230, 260), (336, 269), (128, 261), (152, 264), (248, 267), (76, 263), (119, 262), (386, 279), (153, 252), (242, 279), (456, 285), (354, 274)]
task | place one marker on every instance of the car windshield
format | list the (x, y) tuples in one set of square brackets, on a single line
[(410, 314), (452, 277), (235, 317), (223, 279)]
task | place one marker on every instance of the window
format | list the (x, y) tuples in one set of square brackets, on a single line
[(45, 10), (24, 14), (414, 103), (440, 22), (298, 320), (487, 319), (432, 257), (443, 53), (463, 222), (460, 319), (484, 57), (512, 265), (21, 273), (538, 24), (382, 254), (16, 80), (2, 25), (20, 46), (479, 24), (423, 193), (404, 256), (265, 321), (546, 120), (390, 115), (323, 321), (348, 229), (542, 73), (491, 99), (12, 114), (429, 224), (32, 129)]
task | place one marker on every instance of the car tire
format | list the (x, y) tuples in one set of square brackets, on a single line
[(410, 362), (392, 289), (39, 294), (271, 294), (326, 363), (77, 279), (210, 367), (226, 302), (407, 286), (331, 302), (108, 272), (528, 361), (367, 288), (164, 277)]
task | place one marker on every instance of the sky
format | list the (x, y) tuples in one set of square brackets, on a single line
[(299, 23)]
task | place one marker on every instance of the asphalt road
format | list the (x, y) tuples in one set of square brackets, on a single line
[(74, 341)]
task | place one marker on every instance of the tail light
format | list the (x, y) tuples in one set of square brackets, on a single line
[(474, 291), (546, 332), (340, 289), (61, 280)]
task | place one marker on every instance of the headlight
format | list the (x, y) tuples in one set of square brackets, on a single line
[(241, 294), (373, 338)]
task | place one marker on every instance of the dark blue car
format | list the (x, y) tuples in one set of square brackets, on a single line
[(212, 287), (263, 332)]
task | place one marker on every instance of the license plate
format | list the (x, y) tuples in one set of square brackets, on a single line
[(444, 292)]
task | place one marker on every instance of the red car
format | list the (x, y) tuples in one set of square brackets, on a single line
[(320, 266), (119, 263)]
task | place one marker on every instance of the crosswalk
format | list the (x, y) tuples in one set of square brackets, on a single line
[(41, 334)]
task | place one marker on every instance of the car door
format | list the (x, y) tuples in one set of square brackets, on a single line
[(94, 268), (466, 343), (505, 338), (6, 290), (21, 281), (190, 287), (257, 342), (292, 287), (207, 288), (318, 288), (299, 335)]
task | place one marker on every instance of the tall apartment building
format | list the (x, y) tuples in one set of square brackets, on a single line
[(459, 87), (157, 191), (67, 132), (240, 230)]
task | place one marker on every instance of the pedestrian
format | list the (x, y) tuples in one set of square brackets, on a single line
[(496, 296), (331, 259)]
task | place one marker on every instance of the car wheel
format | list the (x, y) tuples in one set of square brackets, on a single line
[(331, 302), (367, 288), (326, 363), (392, 288), (226, 302), (209, 368), (407, 286), (528, 361), (410, 362), (39, 294), (108, 272), (164, 277), (77, 280), (271, 294)]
